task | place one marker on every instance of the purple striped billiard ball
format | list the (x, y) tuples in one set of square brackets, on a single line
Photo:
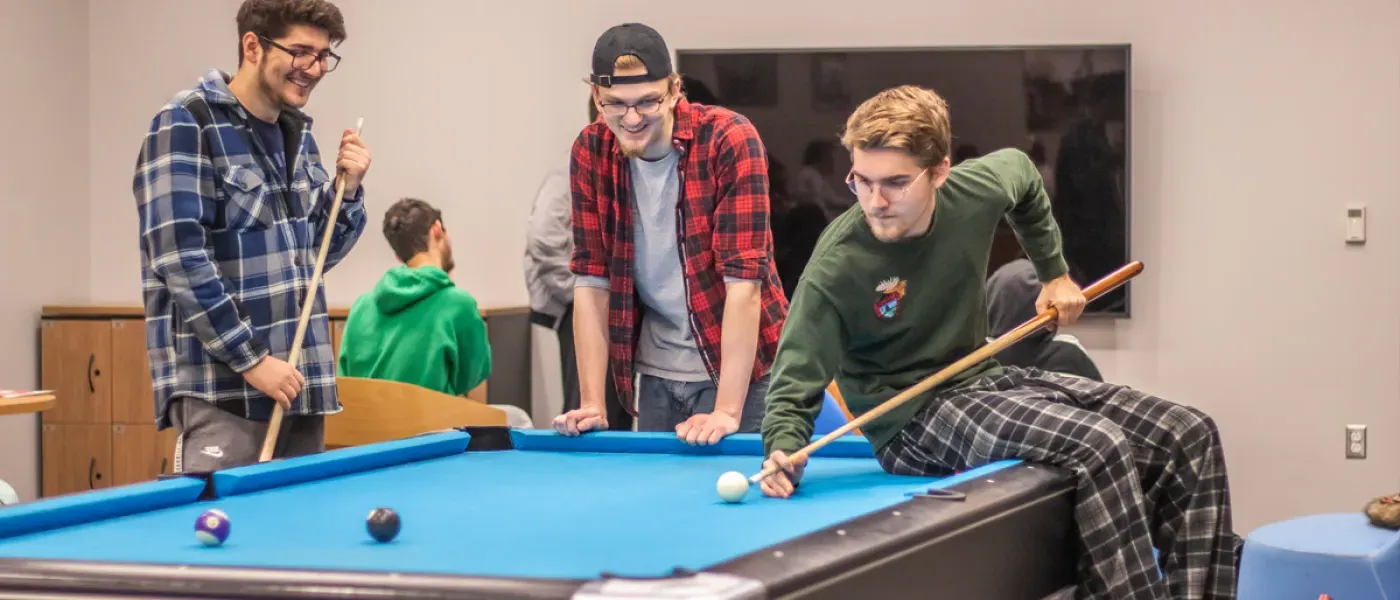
[(212, 527)]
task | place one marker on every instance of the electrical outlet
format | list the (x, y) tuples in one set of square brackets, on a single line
[(1356, 441)]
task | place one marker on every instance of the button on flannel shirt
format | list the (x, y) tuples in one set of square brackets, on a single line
[(228, 246), (724, 232)]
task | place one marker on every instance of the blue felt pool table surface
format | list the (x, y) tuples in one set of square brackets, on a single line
[(554, 507)]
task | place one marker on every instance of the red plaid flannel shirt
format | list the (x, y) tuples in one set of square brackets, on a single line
[(725, 232)]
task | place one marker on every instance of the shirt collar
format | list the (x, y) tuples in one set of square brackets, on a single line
[(214, 86)]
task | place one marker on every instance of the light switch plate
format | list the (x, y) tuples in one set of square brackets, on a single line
[(1356, 224)]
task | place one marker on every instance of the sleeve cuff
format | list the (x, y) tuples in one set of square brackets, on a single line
[(589, 281), (787, 443), (249, 355), (1049, 268), (355, 198)]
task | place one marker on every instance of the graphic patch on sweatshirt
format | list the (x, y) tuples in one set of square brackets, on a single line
[(890, 298)]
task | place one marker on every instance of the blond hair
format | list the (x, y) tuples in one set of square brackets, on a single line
[(907, 117), (629, 61)]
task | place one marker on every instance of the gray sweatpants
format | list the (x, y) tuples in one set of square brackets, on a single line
[(209, 438)]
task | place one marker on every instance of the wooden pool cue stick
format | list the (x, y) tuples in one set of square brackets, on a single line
[(1099, 288), (274, 426)]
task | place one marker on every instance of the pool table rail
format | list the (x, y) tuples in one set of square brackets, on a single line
[(1010, 535)]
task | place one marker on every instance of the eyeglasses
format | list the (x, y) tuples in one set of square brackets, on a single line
[(645, 107), (864, 188), (303, 59)]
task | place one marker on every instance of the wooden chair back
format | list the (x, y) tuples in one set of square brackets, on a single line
[(377, 410)]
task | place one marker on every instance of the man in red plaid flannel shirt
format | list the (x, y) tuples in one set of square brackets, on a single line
[(673, 252)]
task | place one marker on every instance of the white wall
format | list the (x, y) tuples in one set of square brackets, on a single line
[(43, 199), (1249, 119)]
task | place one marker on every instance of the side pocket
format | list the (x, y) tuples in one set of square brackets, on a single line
[(250, 205)]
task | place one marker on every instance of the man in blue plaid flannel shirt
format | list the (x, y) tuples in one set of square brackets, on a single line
[(233, 203)]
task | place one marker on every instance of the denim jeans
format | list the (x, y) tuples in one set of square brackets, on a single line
[(662, 404)]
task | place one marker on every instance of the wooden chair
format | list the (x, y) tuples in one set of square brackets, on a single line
[(836, 394), (378, 410)]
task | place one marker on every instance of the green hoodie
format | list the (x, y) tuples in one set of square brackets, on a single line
[(417, 327)]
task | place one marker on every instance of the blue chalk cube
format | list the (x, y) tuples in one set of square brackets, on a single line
[(212, 528)]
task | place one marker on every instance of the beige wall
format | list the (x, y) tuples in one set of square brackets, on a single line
[(43, 198), (1249, 121)]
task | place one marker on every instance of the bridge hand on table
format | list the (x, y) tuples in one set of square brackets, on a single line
[(783, 482)]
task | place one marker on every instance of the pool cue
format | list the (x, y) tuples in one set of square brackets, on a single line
[(274, 426), (1099, 288)]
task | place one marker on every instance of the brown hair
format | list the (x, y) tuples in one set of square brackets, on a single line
[(406, 226), (907, 117), (272, 18)]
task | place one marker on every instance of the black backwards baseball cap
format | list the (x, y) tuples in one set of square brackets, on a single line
[(635, 39)]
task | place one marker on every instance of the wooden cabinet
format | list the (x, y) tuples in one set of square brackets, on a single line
[(75, 362), (102, 430), (77, 457), (140, 453)]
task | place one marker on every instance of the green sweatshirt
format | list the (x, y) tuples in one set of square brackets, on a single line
[(417, 327), (880, 317)]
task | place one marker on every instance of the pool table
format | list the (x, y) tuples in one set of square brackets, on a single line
[(500, 513)]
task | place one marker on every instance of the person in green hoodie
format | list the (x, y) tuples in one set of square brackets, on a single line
[(416, 326), (894, 292)]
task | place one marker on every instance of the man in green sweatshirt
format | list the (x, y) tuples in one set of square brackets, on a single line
[(416, 326), (894, 292)]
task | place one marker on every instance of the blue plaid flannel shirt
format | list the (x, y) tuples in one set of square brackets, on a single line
[(228, 247)]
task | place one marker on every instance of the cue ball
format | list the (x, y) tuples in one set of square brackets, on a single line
[(383, 524), (732, 486), (212, 527)]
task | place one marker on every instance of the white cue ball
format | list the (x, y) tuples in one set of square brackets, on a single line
[(732, 486)]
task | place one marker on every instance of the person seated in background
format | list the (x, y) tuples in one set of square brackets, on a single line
[(1011, 294), (416, 326)]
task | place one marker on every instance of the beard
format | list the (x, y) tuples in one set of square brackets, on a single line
[(635, 149), (655, 130), (886, 230), (900, 228), (274, 87)]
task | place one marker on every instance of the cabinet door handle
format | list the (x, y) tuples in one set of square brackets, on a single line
[(92, 471), (92, 358)]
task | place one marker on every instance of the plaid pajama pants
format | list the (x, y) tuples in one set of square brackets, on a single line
[(1147, 469)]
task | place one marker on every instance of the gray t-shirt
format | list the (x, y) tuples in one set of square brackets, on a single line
[(666, 347)]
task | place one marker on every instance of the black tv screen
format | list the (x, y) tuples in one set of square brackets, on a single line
[(1066, 106)]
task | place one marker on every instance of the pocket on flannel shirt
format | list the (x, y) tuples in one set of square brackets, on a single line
[(316, 178), (250, 203), (317, 174)]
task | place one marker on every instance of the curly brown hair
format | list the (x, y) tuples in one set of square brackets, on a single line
[(272, 18)]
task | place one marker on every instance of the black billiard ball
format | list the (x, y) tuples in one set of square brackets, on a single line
[(383, 524)]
